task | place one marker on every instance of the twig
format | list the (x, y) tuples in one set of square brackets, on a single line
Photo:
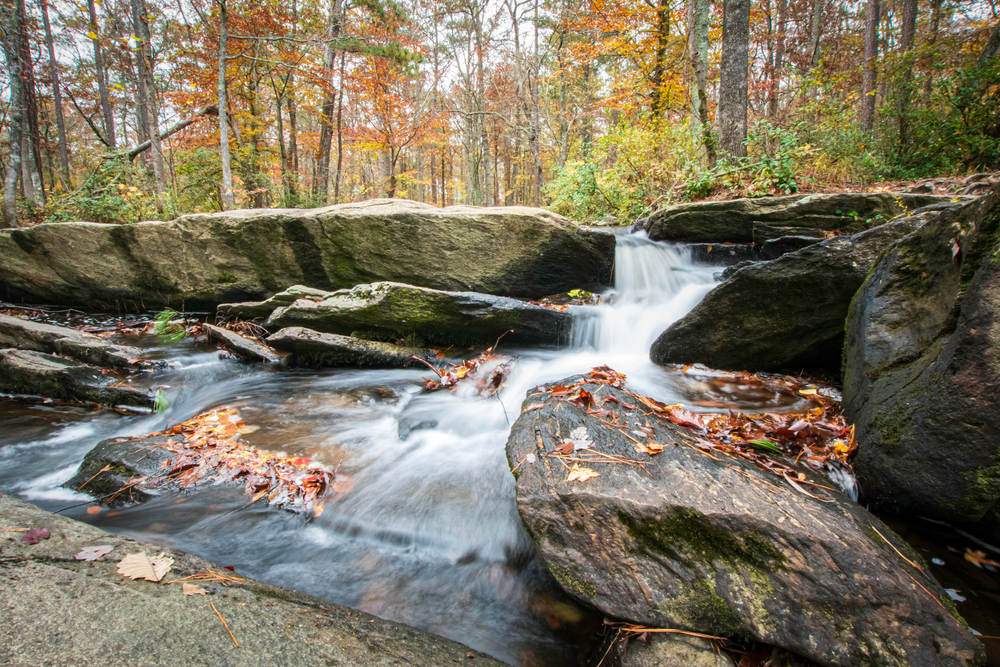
[(426, 363), (912, 563), (104, 469), (224, 624)]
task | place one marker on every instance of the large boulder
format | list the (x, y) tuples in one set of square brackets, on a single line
[(922, 369), (787, 313), (84, 347), (38, 374), (712, 544), (718, 221), (199, 261), (312, 348), (61, 610), (392, 311)]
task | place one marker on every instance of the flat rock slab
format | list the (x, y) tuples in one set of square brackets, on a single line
[(715, 222), (392, 311), (199, 261), (922, 369), (84, 347), (714, 545), (241, 346), (312, 348), (261, 310), (64, 612), (38, 374), (786, 313)]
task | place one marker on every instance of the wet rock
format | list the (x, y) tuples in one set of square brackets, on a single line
[(244, 348), (62, 611), (393, 311), (662, 650), (715, 545), (922, 369), (713, 222), (38, 374), (775, 248), (261, 310), (86, 348), (763, 232), (312, 348), (112, 463), (199, 261), (721, 254), (786, 313)]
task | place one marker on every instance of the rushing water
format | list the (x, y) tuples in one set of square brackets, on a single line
[(430, 534)]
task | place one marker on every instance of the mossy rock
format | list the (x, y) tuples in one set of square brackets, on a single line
[(720, 547)]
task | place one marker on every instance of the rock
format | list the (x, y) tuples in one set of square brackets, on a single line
[(717, 221), (125, 459), (775, 248), (786, 313), (721, 254), (391, 311), (38, 374), (715, 545), (669, 650), (199, 261), (86, 348), (763, 232), (922, 369), (312, 348), (249, 350), (261, 310), (61, 611)]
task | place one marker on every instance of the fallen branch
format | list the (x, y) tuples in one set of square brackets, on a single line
[(132, 153)]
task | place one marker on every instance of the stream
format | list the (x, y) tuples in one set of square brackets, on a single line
[(429, 535)]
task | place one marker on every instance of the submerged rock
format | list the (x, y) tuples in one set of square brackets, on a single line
[(241, 346), (392, 311), (787, 313), (718, 221), (112, 463), (312, 348), (86, 348), (199, 261), (55, 604), (712, 544), (922, 370), (38, 374)]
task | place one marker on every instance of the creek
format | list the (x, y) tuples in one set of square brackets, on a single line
[(429, 535)]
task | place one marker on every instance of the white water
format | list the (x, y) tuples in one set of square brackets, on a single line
[(430, 534)]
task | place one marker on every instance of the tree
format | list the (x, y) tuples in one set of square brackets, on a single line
[(102, 82), (733, 77), (10, 24), (228, 200), (868, 78), (56, 98)]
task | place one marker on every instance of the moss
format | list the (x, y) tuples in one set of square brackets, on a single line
[(570, 582), (701, 607), (226, 278), (890, 428), (688, 536)]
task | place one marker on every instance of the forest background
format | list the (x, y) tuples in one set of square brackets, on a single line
[(111, 108)]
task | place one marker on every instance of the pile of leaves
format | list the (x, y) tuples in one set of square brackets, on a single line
[(818, 437), (489, 370), (562, 302), (210, 451)]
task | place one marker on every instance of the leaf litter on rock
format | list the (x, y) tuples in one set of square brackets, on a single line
[(35, 535), (94, 553), (141, 566)]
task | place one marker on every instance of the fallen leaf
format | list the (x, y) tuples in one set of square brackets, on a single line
[(535, 406), (93, 553), (808, 392), (34, 535), (141, 566), (977, 558), (578, 474), (94, 509), (192, 589)]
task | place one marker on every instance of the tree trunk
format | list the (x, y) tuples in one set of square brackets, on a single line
[(931, 40), (57, 99), (535, 125), (869, 76), (228, 200), (660, 62), (32, 159), (102, 82), (733, 81), (907, 32), (322, 184), (779, 60), (340, 131), (286, 190), (9, 20), (816, 31), (698, 52), (147, 88)]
